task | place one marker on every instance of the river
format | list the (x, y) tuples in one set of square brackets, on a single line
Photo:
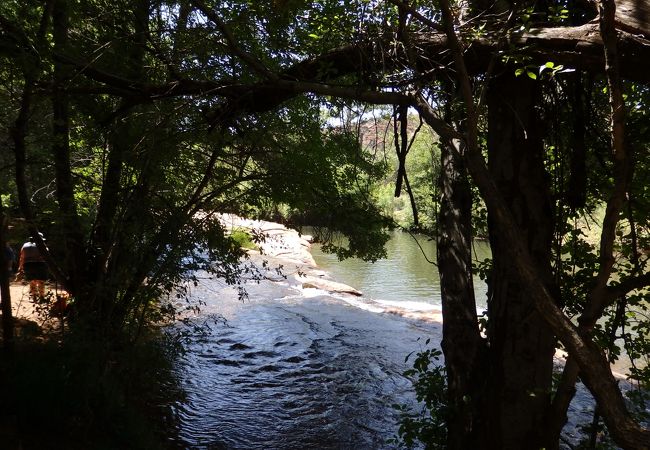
[(296, 372), (407, 278), (294, 368), (299, 368)]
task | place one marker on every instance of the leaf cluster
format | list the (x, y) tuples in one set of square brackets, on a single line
[(428, 426)]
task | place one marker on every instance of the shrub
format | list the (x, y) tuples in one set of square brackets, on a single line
[(243, 239)]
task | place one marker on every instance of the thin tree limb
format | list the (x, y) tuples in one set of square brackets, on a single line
[(251, 61), (602, 295)]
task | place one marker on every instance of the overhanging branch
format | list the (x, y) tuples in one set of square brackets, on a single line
[(576, 47), (626, 286)]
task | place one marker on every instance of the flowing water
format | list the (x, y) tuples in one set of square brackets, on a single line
[(292, 368), (295, 372)]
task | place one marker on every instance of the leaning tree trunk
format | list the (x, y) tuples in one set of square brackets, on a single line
[(521, 345)]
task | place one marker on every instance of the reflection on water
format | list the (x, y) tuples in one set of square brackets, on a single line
[(406, 275)]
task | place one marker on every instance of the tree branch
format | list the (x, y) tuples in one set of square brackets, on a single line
[(256, 65), (627, 285), (416, 14), (622, 164)]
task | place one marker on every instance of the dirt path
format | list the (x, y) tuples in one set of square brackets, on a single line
[(26, 312), (21, 305)]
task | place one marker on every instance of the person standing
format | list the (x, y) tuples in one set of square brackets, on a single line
[(33, 268)]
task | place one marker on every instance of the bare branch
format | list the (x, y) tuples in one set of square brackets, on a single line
[(417, 15), (620, 155), (462, 75)]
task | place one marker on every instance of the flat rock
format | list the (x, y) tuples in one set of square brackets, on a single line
[(309, 281)]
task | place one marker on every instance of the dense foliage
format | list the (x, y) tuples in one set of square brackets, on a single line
[(117, 188), (131, 123), (126, 189)]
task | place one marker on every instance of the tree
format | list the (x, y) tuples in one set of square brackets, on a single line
[(130, 175), (258, 58), (591, 361)]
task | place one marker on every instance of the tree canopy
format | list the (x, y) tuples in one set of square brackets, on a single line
[(126, 119)]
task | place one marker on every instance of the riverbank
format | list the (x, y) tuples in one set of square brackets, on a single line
[(303, 362), (290, 251)]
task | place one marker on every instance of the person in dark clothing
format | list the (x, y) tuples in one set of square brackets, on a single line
[(33, 268), (10, 258)]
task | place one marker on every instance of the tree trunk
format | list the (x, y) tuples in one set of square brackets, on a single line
[(595, 370), (72, 230), (521, 345), (5, 292), (462, 344)]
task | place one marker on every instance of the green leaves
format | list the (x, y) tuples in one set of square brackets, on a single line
[(557, 14), (429, 425), (549, 69)]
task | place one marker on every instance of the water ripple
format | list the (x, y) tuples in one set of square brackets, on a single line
[(312, 374)]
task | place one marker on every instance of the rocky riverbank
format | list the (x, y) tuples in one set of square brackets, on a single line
[(289, 249), (285, 247)]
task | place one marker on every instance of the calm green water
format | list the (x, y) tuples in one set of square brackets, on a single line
[(407, 276)]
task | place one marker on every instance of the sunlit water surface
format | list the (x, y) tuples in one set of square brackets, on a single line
[(406, 277)]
